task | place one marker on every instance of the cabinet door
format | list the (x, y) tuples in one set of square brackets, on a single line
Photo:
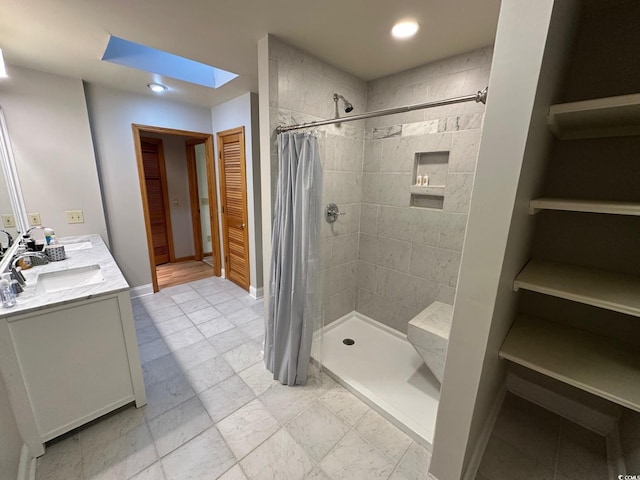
[(74, 363)]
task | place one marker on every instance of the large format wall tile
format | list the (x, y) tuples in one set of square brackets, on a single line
[(394, 315), (405, 289), (384, 257), (417, 225), (386, 188), (435, 264), (386, 252)]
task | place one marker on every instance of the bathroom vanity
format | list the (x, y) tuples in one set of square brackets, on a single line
[(68, 348)]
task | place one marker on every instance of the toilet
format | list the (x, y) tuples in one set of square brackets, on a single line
[(428, 332)]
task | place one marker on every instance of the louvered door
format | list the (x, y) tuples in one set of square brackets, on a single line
[(155, 180), (234, 205)]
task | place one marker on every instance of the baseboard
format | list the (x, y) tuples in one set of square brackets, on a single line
[(141, 291), (256, 292), (27, 465), (481, 445), (184, 259), (591, 419)]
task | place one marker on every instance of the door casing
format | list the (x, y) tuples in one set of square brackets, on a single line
[(138, 131)]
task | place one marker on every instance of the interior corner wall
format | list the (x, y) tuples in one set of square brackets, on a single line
[(49, 130), (175, 159), (10, 439), (242, 112), (513, 148), (112, 113), (409, 256), (266, 136), (300, 89)]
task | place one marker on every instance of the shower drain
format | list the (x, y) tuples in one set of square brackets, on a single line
[(348, 341)]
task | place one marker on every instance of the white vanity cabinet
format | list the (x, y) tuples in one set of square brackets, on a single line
[(70, 362)]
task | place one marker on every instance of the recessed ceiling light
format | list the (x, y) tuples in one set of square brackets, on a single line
[(405, 29), (156, 87)]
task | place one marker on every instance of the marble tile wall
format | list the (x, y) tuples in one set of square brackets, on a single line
[(408, 256), (384, 258), (301, 90)]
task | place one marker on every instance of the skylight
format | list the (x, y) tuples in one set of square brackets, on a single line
[(141, 57)]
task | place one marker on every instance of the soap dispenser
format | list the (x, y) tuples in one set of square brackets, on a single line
[(7, 296)]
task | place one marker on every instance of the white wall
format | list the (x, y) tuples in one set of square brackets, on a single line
[(112, 112), (242, 112), (513, 151), (49, 129), (175, 159), (10, 440)]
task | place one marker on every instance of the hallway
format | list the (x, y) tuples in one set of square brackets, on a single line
[(179, 273), (214, 411)]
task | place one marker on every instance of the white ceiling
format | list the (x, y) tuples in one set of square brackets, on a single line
[(68, 37)]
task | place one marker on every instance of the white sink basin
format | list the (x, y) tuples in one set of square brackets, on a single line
[(72, 278), (70, 247)]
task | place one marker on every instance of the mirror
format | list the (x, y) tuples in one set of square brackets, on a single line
[(11, 200)]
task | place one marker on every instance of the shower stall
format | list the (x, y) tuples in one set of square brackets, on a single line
[(395, 244)]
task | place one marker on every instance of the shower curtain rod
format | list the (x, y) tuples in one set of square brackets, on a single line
[(480, 97)]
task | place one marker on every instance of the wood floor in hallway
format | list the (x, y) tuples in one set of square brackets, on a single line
[(171, 274)]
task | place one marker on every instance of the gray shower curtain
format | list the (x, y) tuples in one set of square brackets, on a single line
[(295, 258)]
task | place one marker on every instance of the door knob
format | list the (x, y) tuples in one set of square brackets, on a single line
[(241, 226)]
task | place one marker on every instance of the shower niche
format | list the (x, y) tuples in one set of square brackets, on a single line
[(429, 179)]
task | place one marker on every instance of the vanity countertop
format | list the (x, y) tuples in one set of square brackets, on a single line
[(97, 254)]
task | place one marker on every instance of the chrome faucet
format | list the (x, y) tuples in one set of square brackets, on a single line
[(20, 256)]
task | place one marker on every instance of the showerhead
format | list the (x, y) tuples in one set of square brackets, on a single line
[(348, 107)]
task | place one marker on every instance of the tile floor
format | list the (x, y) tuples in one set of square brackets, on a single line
[(214, 411), (529, 442)]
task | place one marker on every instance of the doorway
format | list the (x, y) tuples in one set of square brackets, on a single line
[(176, 249)]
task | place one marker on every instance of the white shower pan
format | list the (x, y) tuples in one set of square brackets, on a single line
[(384, 370)]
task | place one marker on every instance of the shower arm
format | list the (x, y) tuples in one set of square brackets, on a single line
[(479, 97)]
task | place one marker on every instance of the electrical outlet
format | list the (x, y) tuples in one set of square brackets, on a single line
[(8, 221), (34, 219), (75, 216)]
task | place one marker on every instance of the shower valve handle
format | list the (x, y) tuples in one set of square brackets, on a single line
[(331, 213)]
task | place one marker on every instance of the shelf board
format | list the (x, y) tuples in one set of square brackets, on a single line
[(599, 365), (602, 117), (613, 291), (432, 190), (590, 206)]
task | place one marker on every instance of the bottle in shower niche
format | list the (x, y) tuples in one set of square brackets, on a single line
[(418, 180), (6, 293)]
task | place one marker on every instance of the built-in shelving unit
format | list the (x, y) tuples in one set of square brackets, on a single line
[(581, 205), (432, 190), (602, 366), (595, 363), (613, 291), (601, 117)]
